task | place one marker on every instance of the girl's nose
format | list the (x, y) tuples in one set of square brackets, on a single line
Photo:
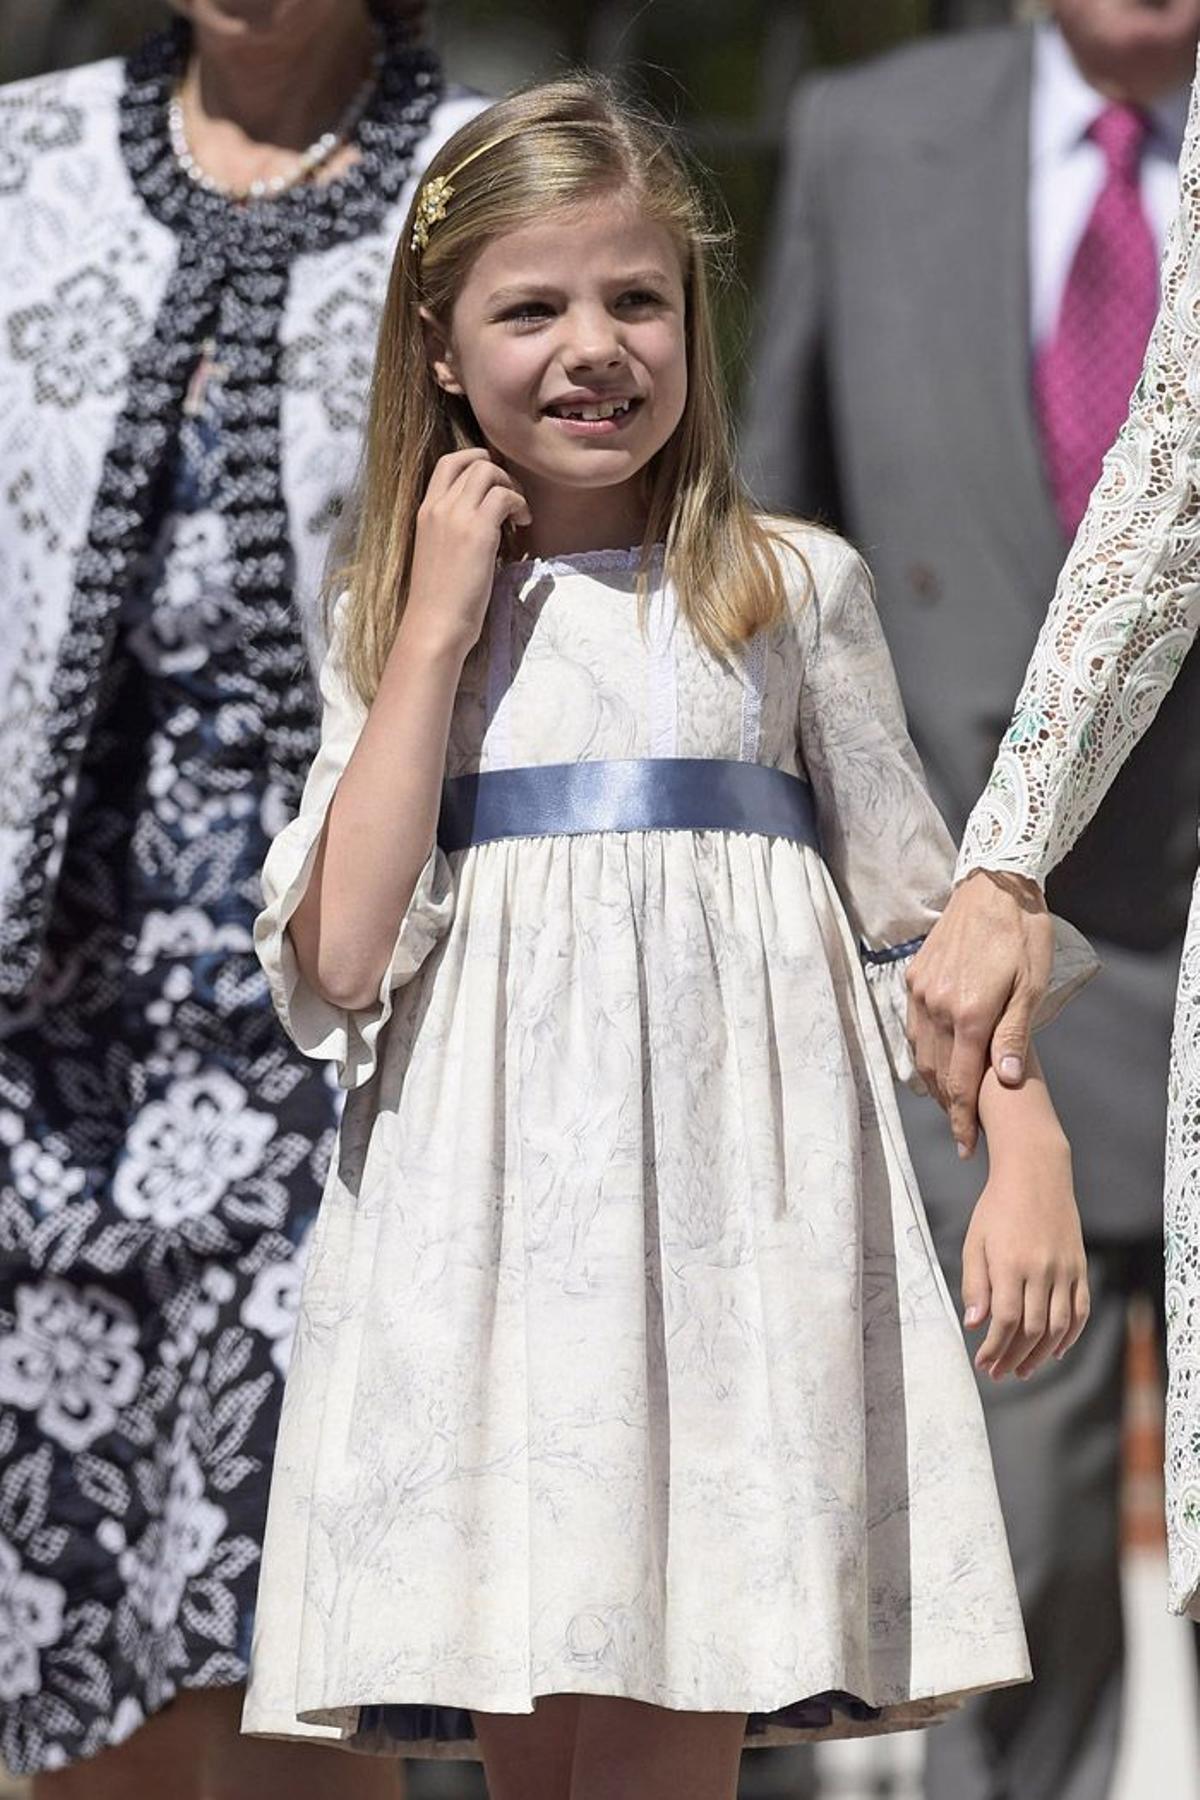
[(595, 344)]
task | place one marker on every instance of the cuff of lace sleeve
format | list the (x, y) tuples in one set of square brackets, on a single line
[(1075, 963), (317, 1027), (971, 860), (886, 972)]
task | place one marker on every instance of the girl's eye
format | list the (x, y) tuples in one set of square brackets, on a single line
[(527, 312), (641, 297)]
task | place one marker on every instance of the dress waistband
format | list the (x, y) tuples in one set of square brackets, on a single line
[(646, 794)]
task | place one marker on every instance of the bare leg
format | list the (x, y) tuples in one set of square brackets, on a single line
[(193, 1750), (528, 1756), (627, 1751)]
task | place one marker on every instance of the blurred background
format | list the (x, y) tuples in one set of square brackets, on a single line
[(725, 72)]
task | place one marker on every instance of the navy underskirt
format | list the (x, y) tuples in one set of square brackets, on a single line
[(384, 1729)]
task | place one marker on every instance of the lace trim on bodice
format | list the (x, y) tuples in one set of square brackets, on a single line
[(530, 569)]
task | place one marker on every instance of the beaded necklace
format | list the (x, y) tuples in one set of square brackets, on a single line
[(307, 162), (229, 283)]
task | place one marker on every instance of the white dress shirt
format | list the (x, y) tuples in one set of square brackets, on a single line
[(1067, 171)]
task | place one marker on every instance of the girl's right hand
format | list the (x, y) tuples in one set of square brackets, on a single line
[(1024, 1264), (469, 500)]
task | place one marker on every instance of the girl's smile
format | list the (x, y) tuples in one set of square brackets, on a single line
[(593, 415)]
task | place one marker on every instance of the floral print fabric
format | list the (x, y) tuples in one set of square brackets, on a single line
[(161, 1156), (161, 1149), (624, 1364)]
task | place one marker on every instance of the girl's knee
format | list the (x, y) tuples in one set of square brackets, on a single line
[(529, 1756), (627, 1750)]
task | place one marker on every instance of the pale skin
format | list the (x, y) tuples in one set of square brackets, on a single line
[(975, 987), (265, 79), (586, 307)]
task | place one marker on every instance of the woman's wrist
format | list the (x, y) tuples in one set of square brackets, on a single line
[(1024, 889)]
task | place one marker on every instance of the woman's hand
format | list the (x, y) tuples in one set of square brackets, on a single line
[(469, 500), (973, 991), (1024, 1267)]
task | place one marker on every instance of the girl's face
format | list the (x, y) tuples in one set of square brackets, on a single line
[(569, 340)]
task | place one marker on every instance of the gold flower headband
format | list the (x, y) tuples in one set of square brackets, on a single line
[(434, 198)]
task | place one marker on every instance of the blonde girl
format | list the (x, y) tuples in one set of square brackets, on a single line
[(629, 1420)]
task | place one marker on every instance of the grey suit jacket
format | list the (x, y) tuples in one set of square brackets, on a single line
[(891, 395)]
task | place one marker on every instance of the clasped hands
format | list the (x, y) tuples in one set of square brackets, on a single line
[(974, 991)]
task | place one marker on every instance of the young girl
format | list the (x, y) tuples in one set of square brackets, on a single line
[(629, 1418)]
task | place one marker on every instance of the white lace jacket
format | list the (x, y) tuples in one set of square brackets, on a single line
[(1123, 618)]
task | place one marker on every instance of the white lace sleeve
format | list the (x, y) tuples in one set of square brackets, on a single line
[(1128, 601)]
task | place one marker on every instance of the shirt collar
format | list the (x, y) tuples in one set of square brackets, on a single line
[(1065, 105)]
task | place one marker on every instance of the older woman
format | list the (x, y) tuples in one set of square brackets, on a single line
[(1123, 619), (193, 250)]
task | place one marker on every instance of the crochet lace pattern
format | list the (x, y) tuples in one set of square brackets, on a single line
[(1124, 616), (230, 282)]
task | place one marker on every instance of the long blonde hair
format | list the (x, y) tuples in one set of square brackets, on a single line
[(549, 147)]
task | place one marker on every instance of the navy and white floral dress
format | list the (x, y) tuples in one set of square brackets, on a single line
[(163, 1154)]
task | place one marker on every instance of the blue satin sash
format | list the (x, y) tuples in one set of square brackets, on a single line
[(647, 794)]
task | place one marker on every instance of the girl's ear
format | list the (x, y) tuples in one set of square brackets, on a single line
[(439, 354)]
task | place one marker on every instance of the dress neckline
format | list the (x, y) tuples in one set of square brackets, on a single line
[(582, 562)]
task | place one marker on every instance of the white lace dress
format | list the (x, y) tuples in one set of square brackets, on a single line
[(624, 1364), (1123, 618)]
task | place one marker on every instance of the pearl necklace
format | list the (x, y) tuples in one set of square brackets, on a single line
[(315, 157)]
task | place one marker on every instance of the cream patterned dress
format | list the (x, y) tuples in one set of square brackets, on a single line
[(624, 1364), (1123, 618)]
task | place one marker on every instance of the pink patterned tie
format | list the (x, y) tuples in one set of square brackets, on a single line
[(1086, 372)]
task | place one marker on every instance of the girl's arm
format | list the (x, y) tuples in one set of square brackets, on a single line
[(383, 818), (882, 837), (380, 826), (891, 857), (1024, 1266)]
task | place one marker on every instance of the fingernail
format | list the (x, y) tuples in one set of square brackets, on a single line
[(963, 1152), (1010, 1068), (972, 1315)]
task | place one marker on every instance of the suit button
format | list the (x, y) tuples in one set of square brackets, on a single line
[(924, 583)]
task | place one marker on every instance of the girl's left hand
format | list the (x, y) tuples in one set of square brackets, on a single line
[(1024, 1265)]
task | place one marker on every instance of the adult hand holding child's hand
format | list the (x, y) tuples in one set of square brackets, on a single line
[(974, 990)]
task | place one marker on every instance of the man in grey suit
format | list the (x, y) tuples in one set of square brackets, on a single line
[(947, 216)]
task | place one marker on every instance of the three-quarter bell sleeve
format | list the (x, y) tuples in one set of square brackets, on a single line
[(884, 842), (316, 1026)]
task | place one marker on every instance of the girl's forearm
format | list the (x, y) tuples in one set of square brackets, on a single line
[(1020, 1117), (381, 825)]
